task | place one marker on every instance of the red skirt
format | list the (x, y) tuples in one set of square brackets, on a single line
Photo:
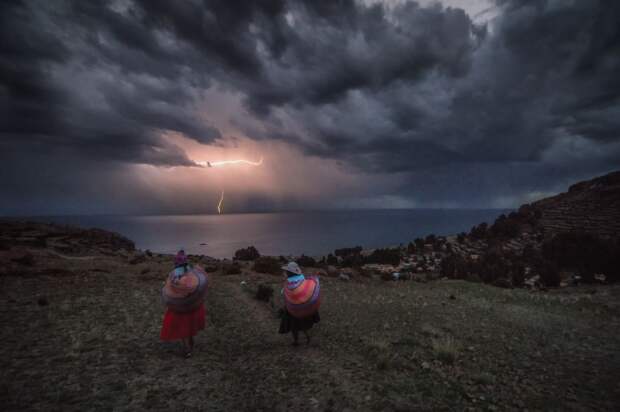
[(182, 325)]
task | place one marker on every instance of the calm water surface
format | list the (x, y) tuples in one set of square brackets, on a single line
[(312, 233)]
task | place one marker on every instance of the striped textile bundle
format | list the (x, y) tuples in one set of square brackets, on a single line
[(187, 292), (303, 297)]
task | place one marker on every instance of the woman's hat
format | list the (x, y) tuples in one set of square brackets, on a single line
[(292, 267)]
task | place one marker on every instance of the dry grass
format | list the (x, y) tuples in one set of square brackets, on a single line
[(379, 346), (446, 349)]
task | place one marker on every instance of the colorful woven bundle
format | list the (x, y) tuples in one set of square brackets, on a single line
[(303, 297), (186, 292)]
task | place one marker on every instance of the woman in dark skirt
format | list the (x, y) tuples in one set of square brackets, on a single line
[(299, 291)]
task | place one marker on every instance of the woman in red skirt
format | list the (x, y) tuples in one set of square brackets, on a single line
[(183, 325)]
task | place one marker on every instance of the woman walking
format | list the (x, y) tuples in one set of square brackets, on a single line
[(184, 293), (302, 297)]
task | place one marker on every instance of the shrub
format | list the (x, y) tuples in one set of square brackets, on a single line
[(518, 275), (419, 244), (306, 261), (353, 261), (550, 274), (448, 266), (492, 266), (332, 260), (384, 256), (411, 248), (505, 227), (264, 292), (249, 253), (479, 232), (445, 349), (267, 264), (231, 269), (585, 253), (210, 267), (344, 252), (387, 276), (461, 237)]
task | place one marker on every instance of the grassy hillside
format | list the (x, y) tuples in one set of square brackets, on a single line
[(86, 337)]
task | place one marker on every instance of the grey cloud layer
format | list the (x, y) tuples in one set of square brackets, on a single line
[(417, 91)]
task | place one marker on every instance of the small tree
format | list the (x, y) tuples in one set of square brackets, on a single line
[(306, 261), (267, 264), (384, 256), (419, 244), (550, 274), (479, 232), (411, 248), (332, 260), (249, 253)]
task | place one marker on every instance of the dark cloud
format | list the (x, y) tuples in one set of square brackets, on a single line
[(70, 79), (425, 94)]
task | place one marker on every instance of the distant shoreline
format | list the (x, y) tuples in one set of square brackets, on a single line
[(103, 215), (312, 233)]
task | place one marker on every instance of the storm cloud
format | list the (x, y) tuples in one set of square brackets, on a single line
[(424, 103)]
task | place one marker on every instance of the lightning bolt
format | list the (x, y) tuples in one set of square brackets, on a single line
[(230, 162), (219, 205)]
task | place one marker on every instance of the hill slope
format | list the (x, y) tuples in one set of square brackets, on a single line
[(592, 206)]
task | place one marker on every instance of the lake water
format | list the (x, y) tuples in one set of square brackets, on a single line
[(312, 233)]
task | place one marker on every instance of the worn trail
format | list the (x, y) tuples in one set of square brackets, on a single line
[(267, 371)]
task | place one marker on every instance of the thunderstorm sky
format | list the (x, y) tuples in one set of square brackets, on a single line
[(113, 106)]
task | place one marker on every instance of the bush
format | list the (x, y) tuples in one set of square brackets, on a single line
[(332, 260), (419, 244), (249, 253), (455, 267), (518, 275), (448, 266), (505, 227), (411, 248), (264, 292), (384, 256), (231, 268), (387, 276), (479, 232), (268, 264), (461, 237), (344, 252), (584, 253), (550, 275), (306, 261), (446, 349), (352, 261)]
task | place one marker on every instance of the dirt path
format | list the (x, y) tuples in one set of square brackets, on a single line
[(270, 374)]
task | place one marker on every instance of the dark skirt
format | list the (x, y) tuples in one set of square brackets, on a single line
[(290, 323)]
